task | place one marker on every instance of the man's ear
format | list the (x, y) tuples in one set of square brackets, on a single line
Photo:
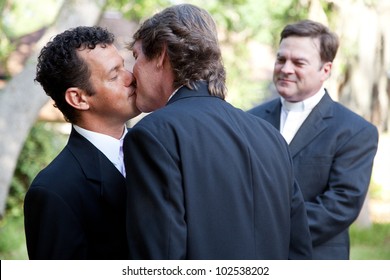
[(76, 98), (162, 58), (327, 68)]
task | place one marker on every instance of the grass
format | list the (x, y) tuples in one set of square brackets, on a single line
[(366, 243), (12, 239), (370, 243)]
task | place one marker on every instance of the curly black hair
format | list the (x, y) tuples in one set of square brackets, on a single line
[(59, 67)]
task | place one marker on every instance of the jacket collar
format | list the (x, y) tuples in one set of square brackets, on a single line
[(314, 124), (200, 90), (273, 113), (93, 162)]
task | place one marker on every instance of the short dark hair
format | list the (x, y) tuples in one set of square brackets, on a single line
[(329, 41), (60, 67), (191, 38)]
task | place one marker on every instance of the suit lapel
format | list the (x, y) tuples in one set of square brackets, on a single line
[(96, 166), (112, 182), (273, 113), (314, 124), (86, 154)]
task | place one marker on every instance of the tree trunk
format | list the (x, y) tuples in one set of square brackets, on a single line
[(360, 75), (21, 99)]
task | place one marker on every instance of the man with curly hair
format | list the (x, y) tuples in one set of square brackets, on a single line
[(75, 207)]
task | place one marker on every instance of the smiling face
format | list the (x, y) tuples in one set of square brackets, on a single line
[(113, 101), (298, 71)]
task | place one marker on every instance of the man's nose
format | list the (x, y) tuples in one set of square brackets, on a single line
[(287, 67), (129, 78)]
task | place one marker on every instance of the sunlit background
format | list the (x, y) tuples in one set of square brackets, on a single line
[(32, 132)]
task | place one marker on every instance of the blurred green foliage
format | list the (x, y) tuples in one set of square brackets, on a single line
[(137, 10), (21, 17), (18, 18), (6, 47), (370, 243), (12, 239)]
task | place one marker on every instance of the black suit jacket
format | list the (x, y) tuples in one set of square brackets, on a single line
[(206, 184), (333, 153), (75, 207)]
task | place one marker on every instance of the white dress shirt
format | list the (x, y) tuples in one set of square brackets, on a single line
[(111, 147), (293, 114)]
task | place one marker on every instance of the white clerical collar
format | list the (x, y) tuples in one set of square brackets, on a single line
[(108, 145), (305, 105)]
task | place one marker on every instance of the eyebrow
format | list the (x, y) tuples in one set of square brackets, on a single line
[(116, 67), (301, 59), (279, 55)]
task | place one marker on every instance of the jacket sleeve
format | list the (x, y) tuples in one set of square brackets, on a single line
[(300, 245), (53, 231), (335, 209), (156, 227)]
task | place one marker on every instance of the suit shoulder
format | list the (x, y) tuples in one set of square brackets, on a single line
[(351, 118), (58, 172), (176, 114), (261, 109)]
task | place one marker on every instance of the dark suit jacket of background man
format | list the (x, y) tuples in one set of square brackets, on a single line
[(210, 181), (75, 207), (333, 153)]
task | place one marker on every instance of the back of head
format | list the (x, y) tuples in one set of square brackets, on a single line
[(59, 67), (329, 41), (190, 36)]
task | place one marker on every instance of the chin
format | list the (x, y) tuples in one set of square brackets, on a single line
[(283, 93), (143, 109)]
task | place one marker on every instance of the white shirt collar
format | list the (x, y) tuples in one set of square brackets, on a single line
[(293, 114), (305, 105), (108, 145)]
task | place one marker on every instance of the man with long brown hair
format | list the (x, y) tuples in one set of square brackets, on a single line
[(206, 181)]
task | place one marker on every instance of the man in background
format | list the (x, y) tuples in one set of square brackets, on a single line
[(332, 148)]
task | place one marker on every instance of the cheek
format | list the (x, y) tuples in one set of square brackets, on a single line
[(277, 71), (142, 75), (139, 67), (136, 71), (300, 74)]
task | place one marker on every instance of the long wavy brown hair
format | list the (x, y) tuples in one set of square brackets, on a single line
[(190, 36)]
